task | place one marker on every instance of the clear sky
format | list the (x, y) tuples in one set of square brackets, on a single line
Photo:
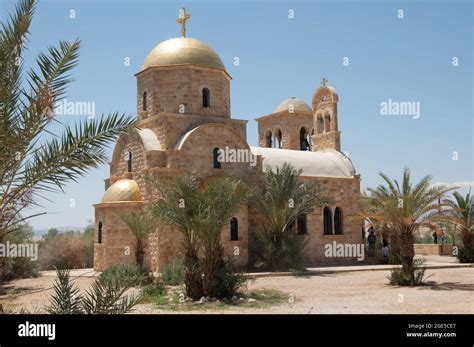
[(409, 59)]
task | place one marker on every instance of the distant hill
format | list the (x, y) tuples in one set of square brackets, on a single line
[(41, 232)]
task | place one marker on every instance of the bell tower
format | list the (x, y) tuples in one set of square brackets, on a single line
[(324, 104)]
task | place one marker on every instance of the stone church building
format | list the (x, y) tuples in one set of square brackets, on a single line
[(184, 118)]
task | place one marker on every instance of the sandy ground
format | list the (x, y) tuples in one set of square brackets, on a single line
[(447, 291)]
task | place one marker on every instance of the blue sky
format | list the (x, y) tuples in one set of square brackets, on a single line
[(407, 59)]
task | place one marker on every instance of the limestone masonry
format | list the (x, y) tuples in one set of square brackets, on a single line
[(184, 117)]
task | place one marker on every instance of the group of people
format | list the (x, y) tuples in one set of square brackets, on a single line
[(371, 239)]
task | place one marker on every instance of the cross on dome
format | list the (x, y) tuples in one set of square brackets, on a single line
[(183, 18)]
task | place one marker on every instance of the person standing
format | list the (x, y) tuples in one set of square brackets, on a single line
[(371, 238)]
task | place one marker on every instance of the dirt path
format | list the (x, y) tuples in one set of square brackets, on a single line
[(448, 291)]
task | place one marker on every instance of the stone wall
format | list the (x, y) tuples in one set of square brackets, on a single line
[(118, 242), (290, 125), (169, 87), (433, 249)]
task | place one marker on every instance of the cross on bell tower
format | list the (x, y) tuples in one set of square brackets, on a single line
[(183, 18)]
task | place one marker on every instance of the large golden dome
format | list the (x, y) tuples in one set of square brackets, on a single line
[(122, 190), (183, 51)]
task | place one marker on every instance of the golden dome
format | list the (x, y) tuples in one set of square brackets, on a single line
[(122, 190), (183, 51)]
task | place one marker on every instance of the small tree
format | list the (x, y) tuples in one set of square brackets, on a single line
[(405, 208), (200, 213), (220, 199), (281, 200), (141, 224), (178, 205), (461, 213)]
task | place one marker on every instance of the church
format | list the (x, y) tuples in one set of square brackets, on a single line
[(184, 119)]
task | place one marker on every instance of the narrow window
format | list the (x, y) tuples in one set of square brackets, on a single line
[(277, 139), (268, 139), (301, 223), (215, 154), (320, 124), (99, 233), (304, 144), (206, 98), (327, 221), (327, 127), (144, 101), (234, 229), (338, 225), (129, 161)]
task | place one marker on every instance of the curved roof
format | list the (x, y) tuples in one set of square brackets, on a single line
[(149, 140), (183, 51), (224, 127), (322, 163), (121, 191), (297, 104)]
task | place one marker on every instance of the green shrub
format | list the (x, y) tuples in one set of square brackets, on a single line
[(287, 253), (173, 272), (229, 281), (106, 296), (409, 275), (466, 254), (127, 274), (157, 288)]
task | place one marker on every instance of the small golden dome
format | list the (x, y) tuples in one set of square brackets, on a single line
[(122, 190), (183, 51)]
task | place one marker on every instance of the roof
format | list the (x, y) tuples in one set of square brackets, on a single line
[(322, 163)]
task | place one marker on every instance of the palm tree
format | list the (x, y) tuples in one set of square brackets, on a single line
[(404, 208), (141, 224), (179, 205), (33, 160), (461, 213), (220, 199), (200, 212), (281, 200)]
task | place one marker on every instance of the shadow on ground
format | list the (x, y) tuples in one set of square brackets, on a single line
[(448, 286)]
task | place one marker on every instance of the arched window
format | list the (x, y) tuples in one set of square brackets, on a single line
[(99, 233), (129, 161), (144, 101), (277, 139), (268, 139), (338, 226), (327, 125), (327, 221), (215, 155), (206, 98), (304, 144), (301, 224), (320, 124), (234, 229)]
